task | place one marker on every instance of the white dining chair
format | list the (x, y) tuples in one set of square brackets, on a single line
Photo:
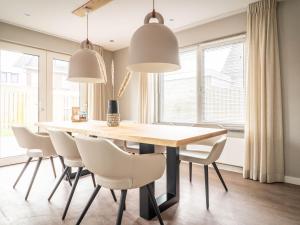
[(203, 145), (205, 157), (133, 171), (37, 146), (65, 147)]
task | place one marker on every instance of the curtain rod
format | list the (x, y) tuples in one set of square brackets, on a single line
[(214, 39)]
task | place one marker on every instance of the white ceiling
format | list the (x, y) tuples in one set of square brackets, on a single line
[(115, 21)]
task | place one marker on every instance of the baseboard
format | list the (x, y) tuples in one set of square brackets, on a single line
[(222, 166), (13, 160), (231, 168), (292, 180)]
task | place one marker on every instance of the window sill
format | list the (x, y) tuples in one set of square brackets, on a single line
[(229, 127)]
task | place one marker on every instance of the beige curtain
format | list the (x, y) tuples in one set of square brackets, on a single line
[(263, 132), (146, 98), (99, 94)]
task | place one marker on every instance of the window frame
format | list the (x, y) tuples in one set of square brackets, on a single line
[(200, 48)]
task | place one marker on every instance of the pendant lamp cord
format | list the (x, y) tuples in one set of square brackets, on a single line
[(153, 9), (87, 24)]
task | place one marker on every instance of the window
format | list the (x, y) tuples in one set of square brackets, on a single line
[(33, 87), (210, 91), (3, 77), (14, 78), (19, 98), (65, 93), (178, 90)]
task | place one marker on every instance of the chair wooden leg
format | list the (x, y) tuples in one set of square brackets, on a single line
[(64, 166), (190, 170), (219, 175), (58, 183), (155, 206), (88, 204), (23, 170), (53, 167), (206, 186), (93, 178), (33, 177), (72, 192), (121, 207), (113, 194)]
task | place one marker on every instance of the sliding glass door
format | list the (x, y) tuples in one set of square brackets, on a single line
[(33, 87), (63, 94), (22, 95)]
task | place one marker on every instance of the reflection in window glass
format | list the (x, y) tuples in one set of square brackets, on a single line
[(220, 97), (224, 92), (18, 97), (65, 93), (178, 91)]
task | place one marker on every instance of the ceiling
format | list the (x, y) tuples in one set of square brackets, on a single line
[(115, 21)]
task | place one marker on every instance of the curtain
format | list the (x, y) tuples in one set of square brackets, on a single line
[(99, 94), (146, 98), (263, 131)]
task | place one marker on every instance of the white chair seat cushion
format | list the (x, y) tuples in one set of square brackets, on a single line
[(195, 147), (34, 153), (73, 162), (199, 157), (116, 184)]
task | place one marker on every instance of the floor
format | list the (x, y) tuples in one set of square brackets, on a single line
[(9, 147), (247, 202)]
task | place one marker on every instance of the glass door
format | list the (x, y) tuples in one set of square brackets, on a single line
[(64, 94), (22, 100)]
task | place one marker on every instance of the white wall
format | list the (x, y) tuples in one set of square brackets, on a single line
[(289, 44)]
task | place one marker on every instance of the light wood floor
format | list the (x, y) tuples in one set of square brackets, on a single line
[(247, 202)]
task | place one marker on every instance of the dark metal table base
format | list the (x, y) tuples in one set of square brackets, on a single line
[(171, 197), (83, 173)]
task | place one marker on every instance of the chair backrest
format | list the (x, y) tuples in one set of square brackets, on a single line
[(27, 139), (64, 144), (209, 141), (24, 137), (104, 158), (217, 150)]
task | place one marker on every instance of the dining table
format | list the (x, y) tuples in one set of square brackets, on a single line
[(148, 136)]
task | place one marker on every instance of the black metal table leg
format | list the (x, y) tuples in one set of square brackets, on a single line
[(72, 175), (146, 207), (171, 197)]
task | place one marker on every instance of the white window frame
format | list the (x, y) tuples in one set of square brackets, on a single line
[(42, 94), (200, 81)]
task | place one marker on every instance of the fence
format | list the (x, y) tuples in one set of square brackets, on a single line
[(18, 105)]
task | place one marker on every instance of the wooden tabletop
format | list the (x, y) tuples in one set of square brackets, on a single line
[(165, 135)]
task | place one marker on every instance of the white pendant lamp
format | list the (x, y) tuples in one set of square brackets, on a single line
[(86, 64), (153, 47)]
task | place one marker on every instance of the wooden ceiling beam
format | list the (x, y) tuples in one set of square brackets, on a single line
[(91, 5)]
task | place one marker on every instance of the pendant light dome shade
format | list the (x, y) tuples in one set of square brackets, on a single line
[(153, 47), (87, 65)]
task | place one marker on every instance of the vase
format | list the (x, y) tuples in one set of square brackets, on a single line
[(113, 115)]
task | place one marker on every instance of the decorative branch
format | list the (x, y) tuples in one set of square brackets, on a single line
[(124, 84), (113, 78)]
